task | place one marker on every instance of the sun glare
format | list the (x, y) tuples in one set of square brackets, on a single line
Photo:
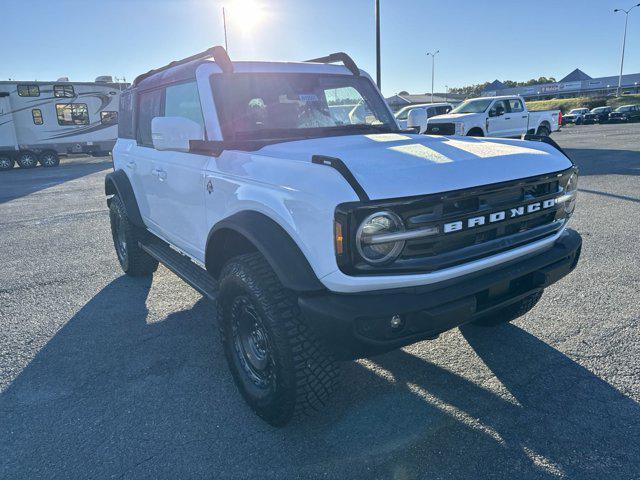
[(246, 14)]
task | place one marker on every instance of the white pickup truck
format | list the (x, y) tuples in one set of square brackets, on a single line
[(505, 117)]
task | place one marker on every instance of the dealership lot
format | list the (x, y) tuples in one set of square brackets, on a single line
[(104, 376)]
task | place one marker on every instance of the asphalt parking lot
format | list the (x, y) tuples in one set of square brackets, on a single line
[(104, 376)]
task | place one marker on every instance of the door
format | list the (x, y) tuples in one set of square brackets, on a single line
[(178, 199), (497, 120), (516, 119), (7, 127)]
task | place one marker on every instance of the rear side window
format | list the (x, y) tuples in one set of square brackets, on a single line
[(63, 91), (36, 114), (149, 106), (72, 114), (516, 105), (182, 100), (125, 123), (28, 91)]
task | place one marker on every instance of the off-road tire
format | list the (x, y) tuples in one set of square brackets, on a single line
[(302, 375), (6, 162), (511, 312), (49, 159), (27, 160), (133, 259)]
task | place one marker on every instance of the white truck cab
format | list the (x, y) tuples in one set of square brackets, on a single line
[(326, 236), (501, 117)]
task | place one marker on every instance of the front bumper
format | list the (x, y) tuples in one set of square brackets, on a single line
[(358, 325)]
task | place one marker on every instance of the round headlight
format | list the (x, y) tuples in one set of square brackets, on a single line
[(571, 189), (370, 240)]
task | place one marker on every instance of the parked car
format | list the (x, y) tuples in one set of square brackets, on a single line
[(625, 113), (597, 115), (575, 116), (322, 241), (416, 116), (505, 116)]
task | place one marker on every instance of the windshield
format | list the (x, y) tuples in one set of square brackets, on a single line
[(254, 106), (578, 110), (473, 106), (599, 110), (623, 109)]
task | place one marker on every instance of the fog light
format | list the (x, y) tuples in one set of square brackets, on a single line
[(396, 322)]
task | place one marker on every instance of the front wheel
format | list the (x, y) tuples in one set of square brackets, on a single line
[(6, 162), (511, 312), (281, 369)]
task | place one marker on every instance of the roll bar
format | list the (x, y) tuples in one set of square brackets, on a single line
[(218, 53), (346, 60)]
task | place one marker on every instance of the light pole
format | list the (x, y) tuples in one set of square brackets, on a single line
[(378, 73), (433, 69), (224, 24), (624, 41)]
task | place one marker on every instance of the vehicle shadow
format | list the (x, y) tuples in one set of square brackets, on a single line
[(117, 394), (18, 183)]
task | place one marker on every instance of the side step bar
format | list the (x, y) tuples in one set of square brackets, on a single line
[(182, 266)]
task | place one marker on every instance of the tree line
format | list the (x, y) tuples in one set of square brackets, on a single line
[(475, 90)]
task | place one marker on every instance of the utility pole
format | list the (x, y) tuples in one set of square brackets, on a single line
[(433, 69), (224, 24), (378, 72), (624, 42)]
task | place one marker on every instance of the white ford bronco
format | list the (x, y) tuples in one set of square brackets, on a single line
[(288, 194)]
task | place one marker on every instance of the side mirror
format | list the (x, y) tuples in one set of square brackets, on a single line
[(417, 117), (174, 133)]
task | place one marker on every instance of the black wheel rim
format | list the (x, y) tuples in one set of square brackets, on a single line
[(251, 344), (120, 239), (5, 163)]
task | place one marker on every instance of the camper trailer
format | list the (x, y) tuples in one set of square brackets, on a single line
[(41, 120)]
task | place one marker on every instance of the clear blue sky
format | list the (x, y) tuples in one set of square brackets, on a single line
[(478, 40)]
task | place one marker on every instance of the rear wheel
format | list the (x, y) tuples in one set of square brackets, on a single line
[(133, 259), (49, 159), (27, 160), (511, 312), (6, 162), (280, 368), (543, 131)]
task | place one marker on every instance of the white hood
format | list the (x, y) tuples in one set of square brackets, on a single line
[(399, 165), (452, 117)]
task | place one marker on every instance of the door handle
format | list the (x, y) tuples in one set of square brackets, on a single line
[(507, 118), (161, 174), (131, 165), (524, 116)]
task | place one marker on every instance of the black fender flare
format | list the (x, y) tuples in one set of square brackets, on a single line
[(117, 183), (271, 240)]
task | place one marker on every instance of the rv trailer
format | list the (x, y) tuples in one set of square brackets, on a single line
[(41, 120)]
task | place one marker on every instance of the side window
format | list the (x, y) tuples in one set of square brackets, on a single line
[(125, 124), (28, 91), (63, 91), (516, 105), (149, 106), (499, 105), (36, 114), (109, 118), (182, 100), (72, 114)]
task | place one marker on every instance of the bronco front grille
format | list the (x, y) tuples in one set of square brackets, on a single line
[(444, 250)]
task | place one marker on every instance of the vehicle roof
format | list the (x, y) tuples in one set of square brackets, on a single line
[(187, 70), (498, 97), (55, 82), (419, 105)]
